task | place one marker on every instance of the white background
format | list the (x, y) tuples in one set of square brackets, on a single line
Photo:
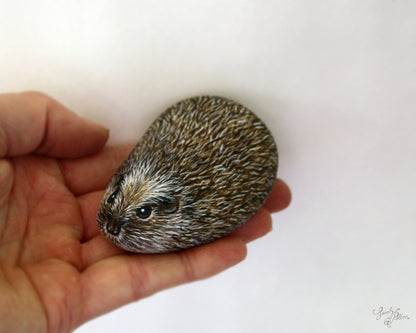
[(336, 83)]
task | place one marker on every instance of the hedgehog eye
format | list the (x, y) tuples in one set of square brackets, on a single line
[(144, 211), (170, 205), (112, 197)]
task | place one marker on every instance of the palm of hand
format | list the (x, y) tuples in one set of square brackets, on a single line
[(56, 270), (42, 227)]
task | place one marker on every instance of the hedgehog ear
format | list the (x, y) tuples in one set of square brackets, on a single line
[(170, 204)]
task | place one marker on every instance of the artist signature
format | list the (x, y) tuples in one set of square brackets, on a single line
[(389, 316)]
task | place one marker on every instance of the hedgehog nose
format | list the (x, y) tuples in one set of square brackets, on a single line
[(114, 227)]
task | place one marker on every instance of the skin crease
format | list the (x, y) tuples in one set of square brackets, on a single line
[(56, 270)]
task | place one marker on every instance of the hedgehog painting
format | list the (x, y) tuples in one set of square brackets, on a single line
[(202, 169)]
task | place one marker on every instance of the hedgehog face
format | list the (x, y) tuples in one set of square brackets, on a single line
[(133, 208)]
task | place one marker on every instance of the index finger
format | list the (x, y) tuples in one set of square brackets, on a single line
[(34, 122)]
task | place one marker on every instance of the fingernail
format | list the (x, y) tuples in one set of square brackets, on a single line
[(96, 126)]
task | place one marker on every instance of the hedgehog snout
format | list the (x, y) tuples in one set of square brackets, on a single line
[(114, 226)]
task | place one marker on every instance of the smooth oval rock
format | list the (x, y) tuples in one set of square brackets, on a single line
[(202, 169)]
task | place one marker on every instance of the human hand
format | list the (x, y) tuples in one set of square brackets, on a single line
[(56, 270)]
